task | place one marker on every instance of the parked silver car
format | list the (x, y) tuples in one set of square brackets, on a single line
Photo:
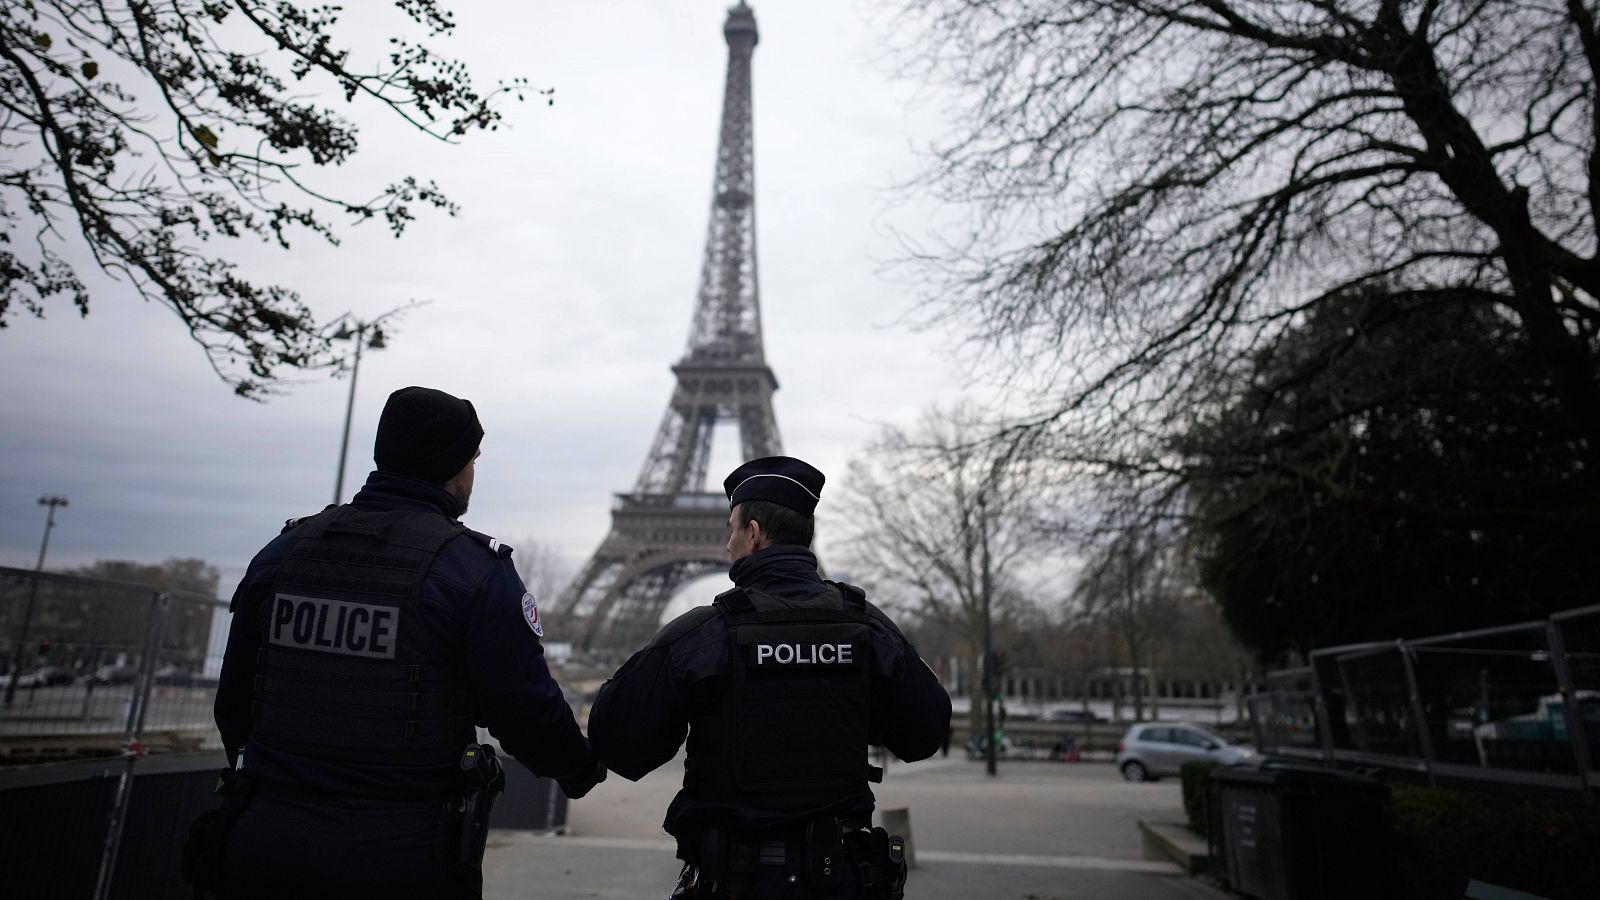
[(1152, 749)]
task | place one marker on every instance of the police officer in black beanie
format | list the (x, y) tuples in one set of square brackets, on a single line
[(779, 685), (367, 642)]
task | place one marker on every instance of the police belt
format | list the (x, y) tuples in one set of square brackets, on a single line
[(822, 849), (271, 790), (778, 849)]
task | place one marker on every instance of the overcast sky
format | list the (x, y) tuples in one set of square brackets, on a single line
[(559, 297)]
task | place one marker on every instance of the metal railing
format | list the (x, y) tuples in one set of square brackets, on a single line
[(1516, 704), (105, 667)]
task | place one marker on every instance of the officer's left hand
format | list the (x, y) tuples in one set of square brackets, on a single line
[(575, 790)]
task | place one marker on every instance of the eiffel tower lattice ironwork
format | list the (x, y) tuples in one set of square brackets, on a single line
[(669, 530)]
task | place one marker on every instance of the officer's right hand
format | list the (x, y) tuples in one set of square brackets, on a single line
[(576, 789)]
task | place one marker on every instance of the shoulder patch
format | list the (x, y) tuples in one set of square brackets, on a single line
[(495, 546), (530, 612)]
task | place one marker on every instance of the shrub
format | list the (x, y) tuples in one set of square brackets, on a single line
[(1197, 794), (1444, 837)]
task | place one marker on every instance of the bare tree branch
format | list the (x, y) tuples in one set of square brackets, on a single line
[(208, 141)]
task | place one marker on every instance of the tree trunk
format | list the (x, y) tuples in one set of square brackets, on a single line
[(976, 700), (1138, 682)]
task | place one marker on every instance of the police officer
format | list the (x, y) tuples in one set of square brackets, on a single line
[(367, 641), (780, 685)]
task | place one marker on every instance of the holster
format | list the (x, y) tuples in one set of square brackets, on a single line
[(726, 866), (824, 860), (485, 780), (880, 864), (206, 848)]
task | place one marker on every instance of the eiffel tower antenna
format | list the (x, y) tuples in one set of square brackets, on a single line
[(669, 529)]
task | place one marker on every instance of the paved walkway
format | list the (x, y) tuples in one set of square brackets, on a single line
[(1038, 831)]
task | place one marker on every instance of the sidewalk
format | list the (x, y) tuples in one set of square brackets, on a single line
[(1038, 831)]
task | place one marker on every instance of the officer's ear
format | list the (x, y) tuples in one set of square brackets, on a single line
[(758, 535)]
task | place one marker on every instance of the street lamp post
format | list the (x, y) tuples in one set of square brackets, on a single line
[(53, 501), (990, 752), (360, 335)]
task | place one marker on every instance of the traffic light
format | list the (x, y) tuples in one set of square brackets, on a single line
[(44, 646), (997, 663)]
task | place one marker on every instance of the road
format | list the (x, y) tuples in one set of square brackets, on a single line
[(1038, 831)]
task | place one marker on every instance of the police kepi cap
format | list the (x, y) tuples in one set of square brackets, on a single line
[(783, 480), (426, 434)]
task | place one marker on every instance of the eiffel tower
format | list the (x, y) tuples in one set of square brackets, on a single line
[(669, 529)]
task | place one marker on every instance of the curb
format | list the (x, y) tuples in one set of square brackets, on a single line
[(1172, 841)]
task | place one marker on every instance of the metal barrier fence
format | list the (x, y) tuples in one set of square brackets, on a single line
[(1517, 704), (93, 666), (120, 670)]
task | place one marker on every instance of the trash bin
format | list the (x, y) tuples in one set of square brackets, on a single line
[(1294, 831), (530, 803)]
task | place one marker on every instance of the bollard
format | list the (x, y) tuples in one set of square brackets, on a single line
[(898, 821)]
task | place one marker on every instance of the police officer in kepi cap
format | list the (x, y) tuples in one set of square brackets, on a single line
[(780, 685), (367, 642)]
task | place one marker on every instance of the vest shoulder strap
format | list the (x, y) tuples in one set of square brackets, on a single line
[(423, 531), (854, 597), (312, 525), (681, 626), (408, 529), (733, 602), (744, 604)]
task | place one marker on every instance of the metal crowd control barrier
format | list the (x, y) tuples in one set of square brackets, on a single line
[(88, 663), (53, 835), (94, 667), (1516, 704), (120, 672)]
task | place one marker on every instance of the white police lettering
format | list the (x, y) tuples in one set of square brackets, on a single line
[(334, 626), (805, 654)]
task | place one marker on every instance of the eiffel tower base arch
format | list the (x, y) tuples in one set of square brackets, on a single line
[(656, 545)]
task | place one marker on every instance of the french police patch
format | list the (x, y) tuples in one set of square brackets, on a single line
[(530, 611)]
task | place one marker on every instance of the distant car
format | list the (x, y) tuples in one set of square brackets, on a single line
[(1151, 750), (50, 676), (44, 676), (1074, 716), (174, 675), (1540, 736), (114, 674)]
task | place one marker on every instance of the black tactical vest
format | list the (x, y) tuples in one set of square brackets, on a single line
[(790, 731), (346, 671)]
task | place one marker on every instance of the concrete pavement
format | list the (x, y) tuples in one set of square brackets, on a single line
[(1038, 831)]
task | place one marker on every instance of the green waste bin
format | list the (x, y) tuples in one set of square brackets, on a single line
[(1294, 831)]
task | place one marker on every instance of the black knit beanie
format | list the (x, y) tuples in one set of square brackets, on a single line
[(426, 434)]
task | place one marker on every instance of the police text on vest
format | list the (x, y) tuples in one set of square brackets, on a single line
[(804, 654), (334, 626)]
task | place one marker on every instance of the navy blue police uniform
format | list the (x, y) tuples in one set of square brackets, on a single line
[(779, 687), (367, 643)]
